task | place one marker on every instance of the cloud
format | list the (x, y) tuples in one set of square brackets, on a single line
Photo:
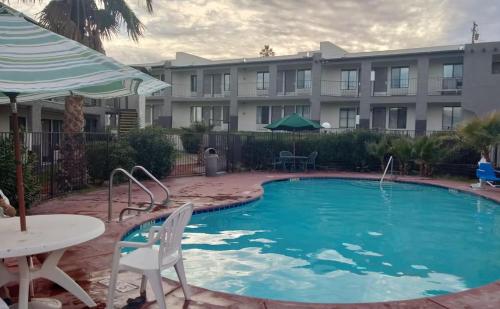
[(239, 28)]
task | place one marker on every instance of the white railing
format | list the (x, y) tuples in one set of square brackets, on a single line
[(390, 163)]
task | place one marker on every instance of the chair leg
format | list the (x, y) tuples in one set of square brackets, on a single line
[(179, 269), (112, 281), (154, 278)]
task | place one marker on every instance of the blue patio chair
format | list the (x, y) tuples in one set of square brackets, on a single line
[(283, 158), (310, 161), (487, 174)]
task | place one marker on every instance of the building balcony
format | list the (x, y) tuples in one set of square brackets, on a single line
[(183, 91), (397, 87), (445, 85), (159, 93), (246, 89), (215, 94), (339, 88), (297, 89)]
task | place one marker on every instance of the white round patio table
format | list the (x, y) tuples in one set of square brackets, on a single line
[(51, 234)]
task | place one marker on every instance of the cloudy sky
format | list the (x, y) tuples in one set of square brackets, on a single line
[(239, 28)]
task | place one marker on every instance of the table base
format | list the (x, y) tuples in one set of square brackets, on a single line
[(48, 270)]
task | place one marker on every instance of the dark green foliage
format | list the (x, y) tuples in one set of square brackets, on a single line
[(104, 157), (343, 151), (192, 137), (154, 150), (8, 173)]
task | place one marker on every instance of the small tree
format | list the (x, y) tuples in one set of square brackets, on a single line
[(267, 51), (482, 133), (425, 152), (402, 149), (379, 150)]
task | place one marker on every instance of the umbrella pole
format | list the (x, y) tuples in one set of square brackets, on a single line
[(18, 162)]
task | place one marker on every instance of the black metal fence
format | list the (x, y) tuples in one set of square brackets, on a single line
[(235, 150)]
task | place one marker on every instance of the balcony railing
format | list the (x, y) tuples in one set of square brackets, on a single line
[(253, 89), (339, 88), (304, 88), (182, 91), (396, 87), (445, 85), (220, 94)]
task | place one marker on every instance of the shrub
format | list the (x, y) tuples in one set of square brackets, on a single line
[(344, 150), (104, 157), (8, 172), (153, 149), (192, 137), (482, 133)]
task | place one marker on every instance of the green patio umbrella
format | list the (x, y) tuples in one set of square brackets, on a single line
[(294, 123), (36, 63)]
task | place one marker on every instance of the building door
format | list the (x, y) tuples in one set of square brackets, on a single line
[(378, 118), (380, 83), (289, 81)]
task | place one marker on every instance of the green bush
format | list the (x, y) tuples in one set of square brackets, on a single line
[(153, 149), (104, 157), (8, 172), (344, 151)]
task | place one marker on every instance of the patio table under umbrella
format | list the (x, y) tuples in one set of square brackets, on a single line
[(294, 123), (36, 63)]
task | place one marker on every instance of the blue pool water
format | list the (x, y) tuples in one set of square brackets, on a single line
[(332, 240)]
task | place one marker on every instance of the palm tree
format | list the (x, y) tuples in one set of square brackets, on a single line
[(87, 22), (380, 150), (266, 51), (482, 133)]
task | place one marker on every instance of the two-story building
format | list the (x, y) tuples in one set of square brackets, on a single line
[(420, 89)]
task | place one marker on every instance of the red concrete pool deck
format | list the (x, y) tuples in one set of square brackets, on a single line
[(90, 262)]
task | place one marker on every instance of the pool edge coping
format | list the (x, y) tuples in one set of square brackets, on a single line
[(224, 206)]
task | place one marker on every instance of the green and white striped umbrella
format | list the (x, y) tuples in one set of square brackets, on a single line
[(37, 64)]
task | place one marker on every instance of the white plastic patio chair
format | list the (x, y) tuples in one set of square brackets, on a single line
[(150, 262)]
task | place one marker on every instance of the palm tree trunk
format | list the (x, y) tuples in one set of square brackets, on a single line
[(73, 146)]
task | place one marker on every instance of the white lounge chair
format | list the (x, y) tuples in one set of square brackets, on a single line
[(151, 262)]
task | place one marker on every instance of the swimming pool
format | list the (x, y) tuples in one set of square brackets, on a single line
[(344, 241)]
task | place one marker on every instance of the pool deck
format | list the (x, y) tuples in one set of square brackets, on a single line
[(90, 262)]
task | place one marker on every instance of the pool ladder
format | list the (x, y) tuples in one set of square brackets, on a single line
[(390, 164), (131, 178)]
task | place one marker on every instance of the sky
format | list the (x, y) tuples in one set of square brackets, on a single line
[(221, 29)]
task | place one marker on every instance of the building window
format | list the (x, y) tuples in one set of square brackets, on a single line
[(495, 67), (196, 114), (262, 80), (304, 79), (347, 118), (194, 83), (452, 76), (349, 80), (276, 113), (227, 82), (451, 117), (397, 118), (303, 110), (400, 77), (225, 114), (262, 114), (288, 110)]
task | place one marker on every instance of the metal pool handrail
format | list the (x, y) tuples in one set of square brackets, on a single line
[(145, 171), (389, 163), (137, 182)]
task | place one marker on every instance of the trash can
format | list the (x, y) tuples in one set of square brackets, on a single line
[(211, 159)]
